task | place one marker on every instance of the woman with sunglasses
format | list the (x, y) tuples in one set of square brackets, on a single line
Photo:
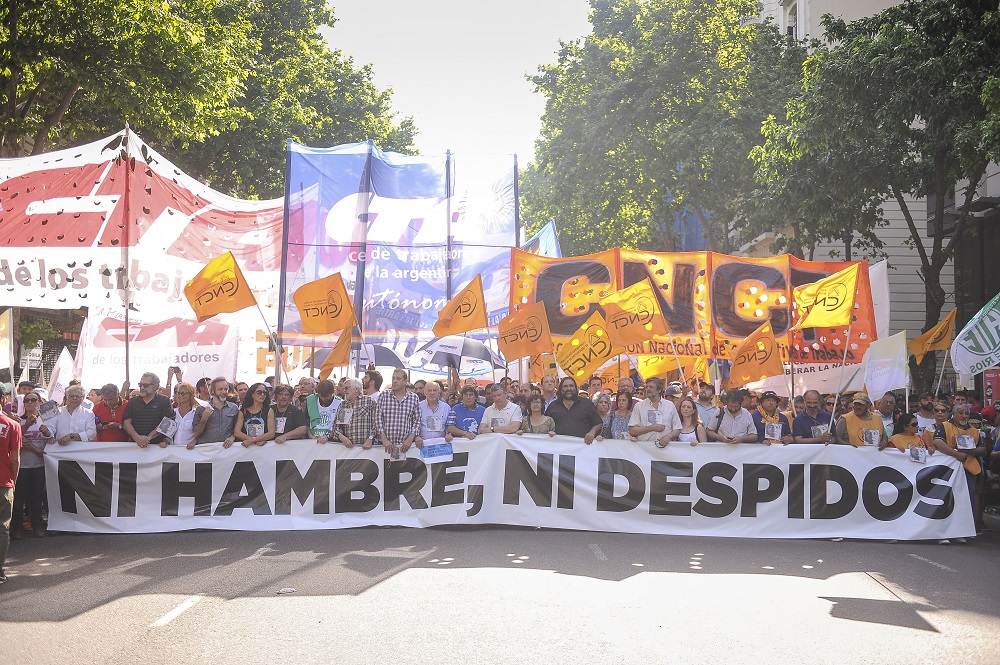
[(184, 397), (30, 487), (905, 434), (941, 414), (255, 421)]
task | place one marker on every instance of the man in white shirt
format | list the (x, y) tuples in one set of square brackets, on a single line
[(654, 418), (74, 422), (734, 424), (503, 416), (886, 406)]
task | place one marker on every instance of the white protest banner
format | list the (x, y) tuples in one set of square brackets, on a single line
[(802, 491), (61, 376), (199, 349), (885, 364), (6, 345), (977, 347)]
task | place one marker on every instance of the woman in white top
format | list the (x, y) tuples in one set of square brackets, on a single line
[(186, 406), (692, 431)]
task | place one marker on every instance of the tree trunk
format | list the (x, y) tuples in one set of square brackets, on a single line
[(53, 119)]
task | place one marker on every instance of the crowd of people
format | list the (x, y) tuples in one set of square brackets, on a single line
[(359, 412)]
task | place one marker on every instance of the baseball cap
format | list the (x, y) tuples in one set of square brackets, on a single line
[(705, 384), (863, 398), (988, 413), (768, 394), (671, 391)]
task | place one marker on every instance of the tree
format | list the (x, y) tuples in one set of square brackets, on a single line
[(656, 112), (172, 67), (895, 109)]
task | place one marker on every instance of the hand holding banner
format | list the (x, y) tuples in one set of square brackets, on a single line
[(524, 332), (755, 358), (588, 349), (219, 288), (324, 306), (828, 302), (465, 312)]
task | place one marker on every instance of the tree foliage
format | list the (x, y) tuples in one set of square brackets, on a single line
[(895, 109), (656, 112), (221, 84)]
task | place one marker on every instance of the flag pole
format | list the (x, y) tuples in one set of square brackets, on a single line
[(847, 347), (944, 364), (279, 366), (791, 377)]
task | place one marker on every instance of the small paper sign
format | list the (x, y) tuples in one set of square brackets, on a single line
[(437, 452), (965, 441), (772, 431), (48, 409), (918, 454), (167, 427), (873, 437)]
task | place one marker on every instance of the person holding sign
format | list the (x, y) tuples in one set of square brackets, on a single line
[(772, 425), (255, 421), (76, 422), (503, 416), (184, 395), (290, 422), (215, 422), (145, 412), (30, 488), (109, 412), (860, 427), (654, 418), (434, 414), (958, 438), (813, 424), (466, 417), (322, 407), (355, 421), (906, 439)]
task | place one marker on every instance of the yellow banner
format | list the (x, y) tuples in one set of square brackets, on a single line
[(324, 306), (937, 338), (633, 315), (219, 288), (588, 349), (544, 364), (524, 332), (340, 355), (465, 312), (828, 302), (755, 359)]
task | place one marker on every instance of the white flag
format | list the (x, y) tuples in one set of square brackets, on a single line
[(61, 376), (977, 347), (885, 364)]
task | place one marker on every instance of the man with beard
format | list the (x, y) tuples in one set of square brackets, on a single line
[(733, 424), (925, 415), (813, 424), (371, 383), (707, 408), (216, 421), (290, 422), (654, 418), (143, 414), (860, 427), (356, 417), (574, 416), (958, 438)]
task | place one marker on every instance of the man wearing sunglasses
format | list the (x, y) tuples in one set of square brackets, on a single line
[(146, 411), (109, 413)]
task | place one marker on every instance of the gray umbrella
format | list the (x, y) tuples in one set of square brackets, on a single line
[(381, 356)]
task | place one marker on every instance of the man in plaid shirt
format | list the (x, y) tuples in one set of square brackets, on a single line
[(355, 423), (397, 412)]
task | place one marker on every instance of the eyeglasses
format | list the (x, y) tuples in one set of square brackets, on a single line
[(145, 385), (260, 392), (29, 400), (830, 403), (940, 410)]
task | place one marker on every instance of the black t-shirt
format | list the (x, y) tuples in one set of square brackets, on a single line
[(145, 417), (255, 424), (575, 421), (290, 419)]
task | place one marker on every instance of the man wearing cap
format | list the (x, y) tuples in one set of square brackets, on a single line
[(771, 425), (653, 418), (860, 427), (958, 438), (813, 424), (707, 408), (734, 424)]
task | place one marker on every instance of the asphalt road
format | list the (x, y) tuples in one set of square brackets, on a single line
[(496, 595)]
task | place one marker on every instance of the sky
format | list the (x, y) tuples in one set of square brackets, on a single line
[(458, 66)]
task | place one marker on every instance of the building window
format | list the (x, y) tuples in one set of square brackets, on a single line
[(792, 21)]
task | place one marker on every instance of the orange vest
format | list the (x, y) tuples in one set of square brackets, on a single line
[(952, 431), (856, 428)]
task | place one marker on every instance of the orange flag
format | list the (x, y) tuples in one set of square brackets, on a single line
[(219, 288), (937, 338), (828, 302), (588, 349), (525, 332), (544, 364), (465, 312), (755, 358), (633, 316), (340, 355), (324, 306)]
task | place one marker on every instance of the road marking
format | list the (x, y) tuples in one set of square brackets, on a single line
[(934, 563), (601, 556), (261, 551), (176, 612)]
